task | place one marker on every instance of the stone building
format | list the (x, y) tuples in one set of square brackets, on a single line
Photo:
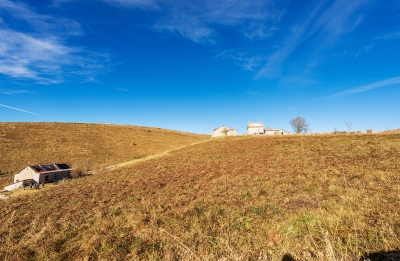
[(223, 131), (271, 131), (46, 173)]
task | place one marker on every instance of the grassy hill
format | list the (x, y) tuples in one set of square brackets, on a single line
[(244, 198), (84, 145)]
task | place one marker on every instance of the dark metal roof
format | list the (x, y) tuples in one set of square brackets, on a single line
[(62, 165), (52, 167), (48, 167), (37, 168)]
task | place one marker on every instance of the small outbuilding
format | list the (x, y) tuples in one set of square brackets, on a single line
[(46, 173), (271, 131)]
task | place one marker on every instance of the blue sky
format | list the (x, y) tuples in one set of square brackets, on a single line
[(196, 65)]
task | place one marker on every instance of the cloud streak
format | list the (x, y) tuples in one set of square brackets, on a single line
[(387, 82), (242, 59), (12, 92), (9, 107), (389, 36), (142, 4), (38, 22), (319, 27), (201, 21)]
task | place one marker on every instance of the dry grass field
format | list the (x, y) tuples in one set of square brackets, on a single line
[(245, 198), (85, 145)]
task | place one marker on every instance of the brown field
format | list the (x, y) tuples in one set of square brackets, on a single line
[(246, 198), (85, 145)]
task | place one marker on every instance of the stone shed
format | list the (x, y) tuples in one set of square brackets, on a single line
[(46, 173), (274, 131)]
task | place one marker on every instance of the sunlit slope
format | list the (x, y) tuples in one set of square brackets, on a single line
[(91, 144), (316, 198)]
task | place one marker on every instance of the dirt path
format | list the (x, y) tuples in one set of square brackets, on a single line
[(136, 161), (20, 192)]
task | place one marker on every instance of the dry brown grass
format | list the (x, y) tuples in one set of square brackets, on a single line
[(86, 146), (246, 198)]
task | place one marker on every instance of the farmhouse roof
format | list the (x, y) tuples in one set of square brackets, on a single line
[(51, 168), (255, 124), (272, 129), (223, 126)]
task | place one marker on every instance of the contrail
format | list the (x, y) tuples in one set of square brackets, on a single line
[(368, 87), (18, 109)]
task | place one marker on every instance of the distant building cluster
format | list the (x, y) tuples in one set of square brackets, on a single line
[(257, 128), (395, 130), (369, 131), (253, 128)]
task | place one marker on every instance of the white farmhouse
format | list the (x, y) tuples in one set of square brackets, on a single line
[(223, 131), (255, 128)]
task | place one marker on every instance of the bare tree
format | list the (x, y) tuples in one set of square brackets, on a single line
[(348, 125), (225, 131), (299, 124)]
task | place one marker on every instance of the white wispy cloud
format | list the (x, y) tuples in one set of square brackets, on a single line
[(387, 82), (9, 107), (242, 58), (46, 60), (200, 21), (388, 36), (143, 4), (321, 27), (364, 50), (41, 53), (12, 92), (40, 22), (357, 22), (255, 19)]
